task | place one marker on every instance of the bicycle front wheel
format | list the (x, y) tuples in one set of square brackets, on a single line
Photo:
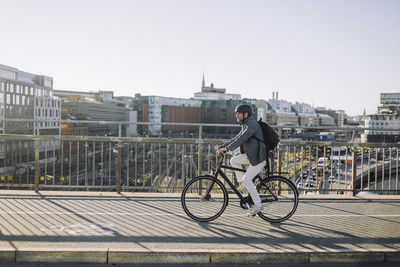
[(279, 197), (204, 198)]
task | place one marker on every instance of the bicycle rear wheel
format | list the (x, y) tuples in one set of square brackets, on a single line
[(204, 198), (279, 197)]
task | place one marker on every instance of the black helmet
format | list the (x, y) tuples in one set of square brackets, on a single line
[(243, 108)]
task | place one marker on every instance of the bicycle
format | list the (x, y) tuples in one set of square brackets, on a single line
[(204, 198)]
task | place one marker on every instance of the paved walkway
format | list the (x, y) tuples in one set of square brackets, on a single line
[(144, 227)]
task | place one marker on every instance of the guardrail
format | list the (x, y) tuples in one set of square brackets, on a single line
[(165, 165), (36, 125)]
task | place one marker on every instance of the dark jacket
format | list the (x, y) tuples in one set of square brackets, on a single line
[(254, 149)]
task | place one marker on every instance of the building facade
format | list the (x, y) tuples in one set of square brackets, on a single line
[(282, 118), (94, 110), (281, 112), (339, 116), (390, 102), (326, 120), (158, 109), (27, 96), (306, 114), (382, 128), (97, 106)]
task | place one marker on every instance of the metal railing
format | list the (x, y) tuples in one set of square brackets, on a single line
[(165, 165), (119, 124)]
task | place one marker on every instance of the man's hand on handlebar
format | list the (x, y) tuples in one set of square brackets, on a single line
[(221, 150)]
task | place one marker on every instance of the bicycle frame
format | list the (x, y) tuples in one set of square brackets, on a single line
[(231, 185), (223, 175), (218, 171)]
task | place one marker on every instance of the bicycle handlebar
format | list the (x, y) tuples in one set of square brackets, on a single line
[(221, 158)]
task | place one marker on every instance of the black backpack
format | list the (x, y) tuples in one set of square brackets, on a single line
[(271, 138)]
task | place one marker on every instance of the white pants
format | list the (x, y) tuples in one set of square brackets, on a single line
[(247, 177)]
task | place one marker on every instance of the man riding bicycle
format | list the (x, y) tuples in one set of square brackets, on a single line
[(252, 152)]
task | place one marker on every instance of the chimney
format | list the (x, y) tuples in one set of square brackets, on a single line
[(276, 95), (273, 95)]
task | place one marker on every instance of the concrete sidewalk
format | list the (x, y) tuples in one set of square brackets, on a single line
[(152, 228)]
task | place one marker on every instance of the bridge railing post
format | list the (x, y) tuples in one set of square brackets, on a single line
[(36, 143), (354, 171), (119, 166)]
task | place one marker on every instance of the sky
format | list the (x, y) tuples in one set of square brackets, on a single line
[(339, 54)]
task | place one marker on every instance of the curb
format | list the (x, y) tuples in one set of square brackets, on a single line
[(7, 255), (120, 257), (157, 257)]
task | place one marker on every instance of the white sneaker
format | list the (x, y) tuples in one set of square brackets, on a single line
[(254, 210)]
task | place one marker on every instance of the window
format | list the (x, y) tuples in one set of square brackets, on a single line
[(8, 74), (47, 83)]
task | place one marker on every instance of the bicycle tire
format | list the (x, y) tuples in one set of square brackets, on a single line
[(200, 207), (282, 198)]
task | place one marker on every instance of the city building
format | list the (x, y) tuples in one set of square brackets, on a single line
[(381, 128), (213, 93), (97, 106), (282, 118), (280, 112), (220, 112), (306, 114), (325, 120), (96, 110), (64, 94), (279, 104), (158, 109), (339, 116), (27, 96), (391, 102), (212, 106), (384, 127)]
